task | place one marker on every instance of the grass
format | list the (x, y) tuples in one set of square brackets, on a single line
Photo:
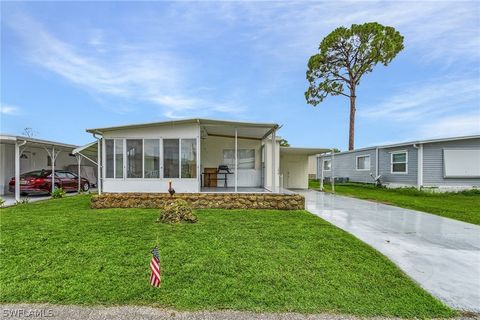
[(463, 206), (61, 251)]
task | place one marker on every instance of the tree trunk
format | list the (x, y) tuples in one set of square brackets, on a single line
[(351, 132)]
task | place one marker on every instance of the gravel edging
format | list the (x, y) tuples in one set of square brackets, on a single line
[(72, 312)]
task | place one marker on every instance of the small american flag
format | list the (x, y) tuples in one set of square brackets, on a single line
[(155, 267)]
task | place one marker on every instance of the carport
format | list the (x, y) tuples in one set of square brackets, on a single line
[(14, 149), (294, 166)]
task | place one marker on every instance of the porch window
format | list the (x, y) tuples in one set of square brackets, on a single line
[(399, 162), (152, 158), (246, 158), (134, 158), (171, 158), (363, 162), (109, 157), (114, 158), (189, 158), (118, 158)]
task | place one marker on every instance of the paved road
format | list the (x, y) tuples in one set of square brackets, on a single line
[(57, 312), (442, 255)]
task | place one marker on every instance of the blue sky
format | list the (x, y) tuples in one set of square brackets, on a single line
[(70, 66)]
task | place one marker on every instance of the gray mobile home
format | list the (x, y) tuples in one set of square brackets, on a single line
[(448, 164)]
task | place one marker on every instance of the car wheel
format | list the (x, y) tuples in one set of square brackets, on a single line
[(85, 187)]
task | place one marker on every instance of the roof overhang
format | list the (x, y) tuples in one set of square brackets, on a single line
[(33, 142), (254, 130), (303, 151)]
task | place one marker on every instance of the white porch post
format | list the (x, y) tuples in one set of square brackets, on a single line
[(79, 161), (332, 164), (236, 160), (321, 175), (274, 171), (99, 167), (52, 157), (17, 172)]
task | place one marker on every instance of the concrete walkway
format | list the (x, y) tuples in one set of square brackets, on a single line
[(442, 255)]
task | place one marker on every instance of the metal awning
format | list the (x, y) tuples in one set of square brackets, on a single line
[(303, 151), (88, 151), (32, 142)]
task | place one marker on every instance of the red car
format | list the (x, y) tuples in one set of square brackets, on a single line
[(40, 182)]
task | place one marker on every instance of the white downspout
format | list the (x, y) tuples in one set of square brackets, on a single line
[(53, 157), (17, 169), (377, 162), (419, 148), (333, 171)]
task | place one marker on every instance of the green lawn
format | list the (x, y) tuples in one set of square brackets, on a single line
[(463, 206), (61, 251)]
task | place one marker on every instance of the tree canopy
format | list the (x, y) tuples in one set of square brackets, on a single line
[(344, 56)]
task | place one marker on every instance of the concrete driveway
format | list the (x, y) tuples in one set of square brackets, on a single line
[(442, 255)]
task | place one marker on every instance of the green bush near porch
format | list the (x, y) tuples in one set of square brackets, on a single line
[(62, 251)]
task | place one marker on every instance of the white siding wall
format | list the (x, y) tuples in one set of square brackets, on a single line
[(294, 169), (268, 165)]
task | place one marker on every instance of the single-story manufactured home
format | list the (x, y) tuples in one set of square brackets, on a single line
[(449, 163), (196, 155), (19, 154)]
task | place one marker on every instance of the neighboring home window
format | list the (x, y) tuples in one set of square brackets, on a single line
[(189, 158), (151, 158), (327, 164), (246, 158), (109, 157), (363, 162), (171, 158), (399, 162), (134, 158)]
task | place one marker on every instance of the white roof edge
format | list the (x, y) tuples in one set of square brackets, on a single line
[(7, 137), (86, 146), (182, 121), (385, 146)]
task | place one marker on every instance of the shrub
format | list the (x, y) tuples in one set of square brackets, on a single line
[(2, 201), (176, 212), (58, 193)]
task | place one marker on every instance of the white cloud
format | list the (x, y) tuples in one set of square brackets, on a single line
[(420, 101), (9, 109), (451, 126), (141, 72)]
